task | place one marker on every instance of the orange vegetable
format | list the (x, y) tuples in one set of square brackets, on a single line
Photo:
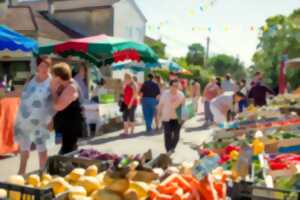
[(205, 190), (163, 197), (155, 195), (170, 189), (219, 187), (182, 183)]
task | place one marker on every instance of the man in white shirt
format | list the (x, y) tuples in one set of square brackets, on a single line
[(170, 101), (221, 105)]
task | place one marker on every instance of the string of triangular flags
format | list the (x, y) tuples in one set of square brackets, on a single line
[(271, 29)]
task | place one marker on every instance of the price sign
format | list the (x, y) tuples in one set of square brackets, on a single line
[(205, 166)]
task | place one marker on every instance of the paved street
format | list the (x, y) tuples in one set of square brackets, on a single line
[(139, 143)]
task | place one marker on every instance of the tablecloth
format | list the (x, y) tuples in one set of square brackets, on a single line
[(8, 111)]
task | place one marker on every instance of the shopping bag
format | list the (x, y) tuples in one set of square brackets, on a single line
[(182, 113)]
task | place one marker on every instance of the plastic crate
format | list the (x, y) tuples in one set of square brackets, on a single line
[(248, 191), (56, 165), (27, 193)]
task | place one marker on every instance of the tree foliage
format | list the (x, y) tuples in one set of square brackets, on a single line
[(222, 64), (157, 45), (195, 55), (280, 35)]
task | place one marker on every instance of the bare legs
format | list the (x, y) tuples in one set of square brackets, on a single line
[(24, 156), (43, 156), (129, 127)]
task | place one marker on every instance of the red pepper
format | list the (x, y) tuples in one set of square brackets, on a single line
[(231, 148), (277, 165)]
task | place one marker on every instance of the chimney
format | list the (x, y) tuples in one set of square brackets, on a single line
[(3, 8), (51, 9)]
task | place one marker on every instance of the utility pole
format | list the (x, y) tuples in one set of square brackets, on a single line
[(207, 52)]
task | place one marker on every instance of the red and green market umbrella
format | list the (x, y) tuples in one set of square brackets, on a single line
[(102, 50)]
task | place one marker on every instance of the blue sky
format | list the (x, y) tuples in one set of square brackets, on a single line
[(183, 22)]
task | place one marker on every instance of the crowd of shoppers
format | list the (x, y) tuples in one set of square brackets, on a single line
[(52, 100)]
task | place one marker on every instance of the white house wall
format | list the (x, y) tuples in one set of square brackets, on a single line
[(128, 23)]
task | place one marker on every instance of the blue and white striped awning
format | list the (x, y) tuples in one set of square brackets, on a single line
[(170, 65), (134, 66)]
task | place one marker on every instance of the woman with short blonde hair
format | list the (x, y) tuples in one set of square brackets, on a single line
[(69, 118)]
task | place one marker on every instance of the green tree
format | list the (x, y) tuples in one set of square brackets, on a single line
[(195, 55), (181, 62), (157, 45), (280, 35), (222, 64)]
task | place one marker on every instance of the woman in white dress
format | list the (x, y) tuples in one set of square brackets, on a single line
[(34, 115)]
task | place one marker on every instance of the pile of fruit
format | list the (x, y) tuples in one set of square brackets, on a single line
[(89, 184), (130, 183)]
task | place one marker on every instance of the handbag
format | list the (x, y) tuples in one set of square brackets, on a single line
[(182, 113)]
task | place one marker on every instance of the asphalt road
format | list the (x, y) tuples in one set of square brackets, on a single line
[(192, 134)]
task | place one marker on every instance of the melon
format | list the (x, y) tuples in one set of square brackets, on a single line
[(89, 183), (91, 171), (105, 194), (76, 191)]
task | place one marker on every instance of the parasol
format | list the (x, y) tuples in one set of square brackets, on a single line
[(102, 49)]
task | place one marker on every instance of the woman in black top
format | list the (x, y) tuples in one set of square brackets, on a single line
[(69, 118)]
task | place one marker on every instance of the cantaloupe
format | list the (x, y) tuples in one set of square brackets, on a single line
[(141, 188), (17, 180), (59, 185), (79, 197), (34, 180), (107, 180), (105, 194), (76, 191), (119, 185), (46, 177), (90, 184), (3, 194), (76, 174), (91, 171), (100, 177)]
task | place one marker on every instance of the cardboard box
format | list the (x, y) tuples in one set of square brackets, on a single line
[(289, 142), (271, 145)]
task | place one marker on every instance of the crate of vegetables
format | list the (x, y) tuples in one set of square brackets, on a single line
[(75, 178), (49, 184)]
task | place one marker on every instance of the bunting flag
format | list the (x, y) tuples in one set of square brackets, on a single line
[(272, 30)]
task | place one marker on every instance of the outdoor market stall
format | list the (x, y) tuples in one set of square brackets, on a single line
[(261, 163), (261, 148), (103, 50), (11, 44)]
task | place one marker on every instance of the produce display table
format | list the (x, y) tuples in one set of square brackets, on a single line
[(95, 113), (102, 114), (8, 111)]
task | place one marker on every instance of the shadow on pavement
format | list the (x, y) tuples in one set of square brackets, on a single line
[(114, 138), (195, 129), (3, 157)]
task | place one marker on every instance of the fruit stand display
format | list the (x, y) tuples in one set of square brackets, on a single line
[(86, 175), (282, 111), (260, 151)]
